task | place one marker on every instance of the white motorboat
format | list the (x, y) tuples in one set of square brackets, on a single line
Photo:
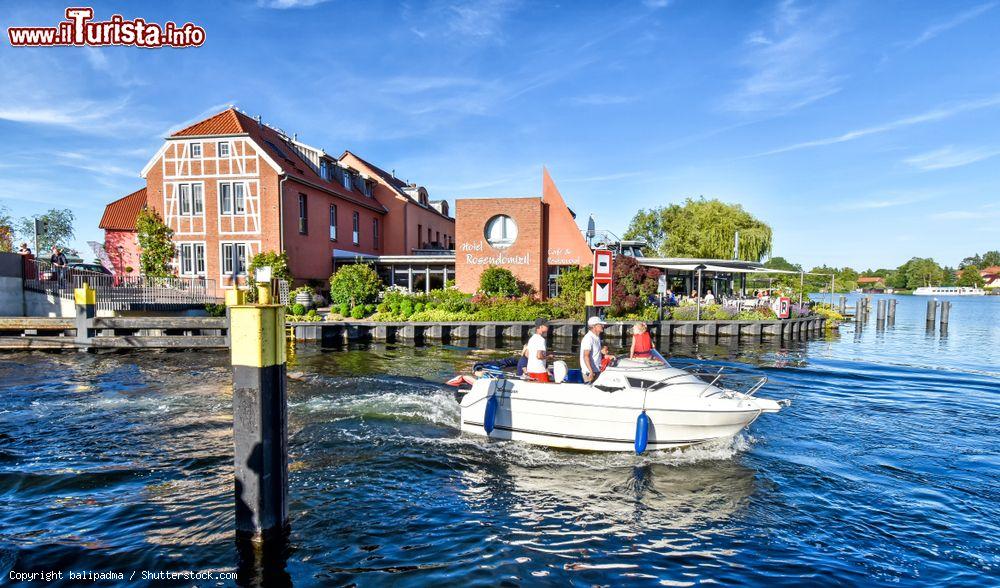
[(634, 404), (949, 291)]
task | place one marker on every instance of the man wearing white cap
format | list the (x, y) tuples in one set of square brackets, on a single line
[(590, 349)]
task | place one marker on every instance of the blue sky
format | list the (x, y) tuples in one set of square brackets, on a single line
[(864, 132)]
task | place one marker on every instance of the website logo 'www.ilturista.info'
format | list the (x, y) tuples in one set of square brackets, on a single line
[(80, 29)]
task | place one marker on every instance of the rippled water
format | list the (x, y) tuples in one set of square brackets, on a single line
[(885, 470)]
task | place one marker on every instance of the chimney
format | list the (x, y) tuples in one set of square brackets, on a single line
[(394, 173), (259, 122)]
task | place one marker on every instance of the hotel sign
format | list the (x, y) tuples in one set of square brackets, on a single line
[(476, 254)]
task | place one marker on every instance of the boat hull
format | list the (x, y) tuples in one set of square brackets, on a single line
[(583, 417)]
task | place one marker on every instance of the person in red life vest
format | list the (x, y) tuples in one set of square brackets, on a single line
[(642, 345), (537, 354), (606, 358)]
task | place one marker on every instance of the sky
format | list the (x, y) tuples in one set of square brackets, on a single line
[(864, 133)]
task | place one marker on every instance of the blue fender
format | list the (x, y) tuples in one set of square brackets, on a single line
[(489, 419), (641, 433)]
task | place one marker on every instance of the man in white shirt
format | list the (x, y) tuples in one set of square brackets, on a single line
[(537, 353), (590, 349)]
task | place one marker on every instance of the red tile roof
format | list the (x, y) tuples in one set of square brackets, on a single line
[(993, 269), (120, 215), (870, 280), (234, 122), (226, 122)]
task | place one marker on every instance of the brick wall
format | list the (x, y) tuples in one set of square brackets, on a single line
[(525, 257)]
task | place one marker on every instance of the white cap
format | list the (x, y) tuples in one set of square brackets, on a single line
[(595, 320)]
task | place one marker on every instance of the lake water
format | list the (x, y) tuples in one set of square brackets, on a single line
[(885, 470)]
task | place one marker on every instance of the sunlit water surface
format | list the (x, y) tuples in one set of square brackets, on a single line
[(884, 470)]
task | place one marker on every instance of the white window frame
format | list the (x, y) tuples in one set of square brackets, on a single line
[(220, 145), (226, 257), (237, 198), (191, 258), (193, 148), (375, 234), (347, 180), (357, 227)]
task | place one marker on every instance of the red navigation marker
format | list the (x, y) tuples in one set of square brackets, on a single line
[(602, 263), (602, 291)]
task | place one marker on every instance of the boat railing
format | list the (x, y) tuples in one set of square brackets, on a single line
[(726, 377)]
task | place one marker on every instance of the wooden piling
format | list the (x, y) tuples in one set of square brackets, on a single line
[(945, 311), (859, 311), (931, 310), (880, 313), (260, 420)]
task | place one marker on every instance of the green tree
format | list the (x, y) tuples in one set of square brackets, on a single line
[(950, 277), (497, 281), (991, 258), (574, 283), (970, 277), (918, 272), (701, 228), (6, 230), (355, 284), (57, 229), (155, 244)]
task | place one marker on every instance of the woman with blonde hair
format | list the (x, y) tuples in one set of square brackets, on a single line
[(642, 345)]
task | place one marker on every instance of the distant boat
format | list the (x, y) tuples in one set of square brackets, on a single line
[(948, 291)]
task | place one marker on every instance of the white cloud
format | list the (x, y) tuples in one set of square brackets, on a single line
[(602, 99), (941, 27), (948, 157), (924, 117), (879, 202), (788, 62), (479, 18), (283, 4), (656, 4)]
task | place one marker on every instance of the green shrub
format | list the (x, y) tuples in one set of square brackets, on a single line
[(405, 308), (438, 316), (344, 309), (215, 309), (497, 281), (354, 285), (369, 309), (574, 283), (297, 309), (312, 312), (384, 308), (419, 307), (684, 313), (358, 312), (524, 308)]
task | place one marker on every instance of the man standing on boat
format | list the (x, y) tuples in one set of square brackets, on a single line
[(590, 349), (537, 354)]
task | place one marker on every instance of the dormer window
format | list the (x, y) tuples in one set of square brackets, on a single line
[(324, 169), (347, 179), (196, 150)]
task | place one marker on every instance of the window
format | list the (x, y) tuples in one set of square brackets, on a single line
[(375, 232), (192, 259), (239, 201), (223, 148), (190, 198), (303, 215), (501, 231), (333, 222), (225, 198), (232, 198), (420, 233), (228, 251), (437, 238), (428, 235), (357, 231), (347, 179), (196, 150), (184, 195), (324, 169)]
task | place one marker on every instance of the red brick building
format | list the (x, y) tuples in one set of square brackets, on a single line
[(120, 241), (535, 238), (231, 187)]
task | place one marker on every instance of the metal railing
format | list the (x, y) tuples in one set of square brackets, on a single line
[(120, 292), (148, 293)]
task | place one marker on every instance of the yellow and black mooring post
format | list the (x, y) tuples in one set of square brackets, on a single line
[(86, 309), (260, 419)]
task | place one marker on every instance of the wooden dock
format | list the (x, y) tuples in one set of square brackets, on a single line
[(147, 332)]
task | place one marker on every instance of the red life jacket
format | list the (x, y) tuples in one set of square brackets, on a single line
[(643, 344)]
